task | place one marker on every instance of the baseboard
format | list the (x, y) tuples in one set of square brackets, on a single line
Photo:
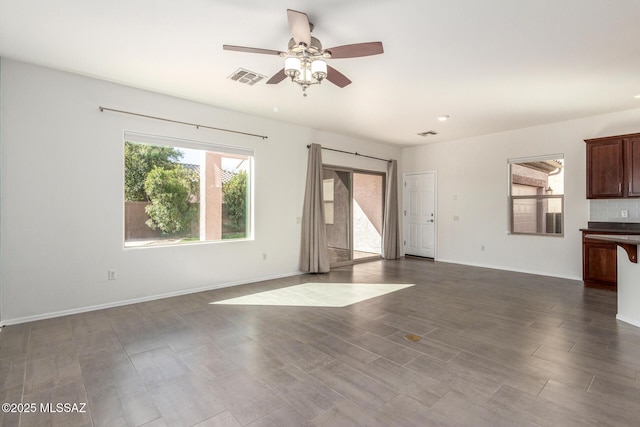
[(80, 310), (515, 270), (419, 257), (632, 322)]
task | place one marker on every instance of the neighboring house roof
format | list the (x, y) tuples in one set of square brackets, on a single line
[(226, 175), (191, 167)]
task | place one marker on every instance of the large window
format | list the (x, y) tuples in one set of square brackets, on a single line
[(179, 191), (536, 192)]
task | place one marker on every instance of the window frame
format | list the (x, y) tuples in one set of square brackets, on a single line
[(204, 146), (537, 197)]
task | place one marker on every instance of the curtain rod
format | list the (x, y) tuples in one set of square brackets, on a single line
[(197, 126), (354, 153)]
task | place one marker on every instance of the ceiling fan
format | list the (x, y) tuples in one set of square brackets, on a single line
[(305, 58)]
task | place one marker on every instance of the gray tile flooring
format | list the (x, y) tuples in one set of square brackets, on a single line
[(498, 349)]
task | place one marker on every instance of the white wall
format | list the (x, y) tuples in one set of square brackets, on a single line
[(472, 184), (62, 194)]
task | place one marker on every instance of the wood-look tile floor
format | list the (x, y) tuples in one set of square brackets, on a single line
[(497, 348)]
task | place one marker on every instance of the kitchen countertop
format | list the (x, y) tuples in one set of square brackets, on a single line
[(628, 242), (633, 239), (613, 227)]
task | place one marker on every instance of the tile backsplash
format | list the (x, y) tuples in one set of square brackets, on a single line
[(610, 210)]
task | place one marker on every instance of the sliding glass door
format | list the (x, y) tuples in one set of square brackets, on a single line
[(337, 214), (354, 205), (368, 210)]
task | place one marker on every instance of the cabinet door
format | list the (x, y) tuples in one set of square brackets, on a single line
[(600, 263), (632, 166), (605, 169)]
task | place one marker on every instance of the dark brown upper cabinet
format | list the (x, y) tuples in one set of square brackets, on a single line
[(632, 166), (613, 167)]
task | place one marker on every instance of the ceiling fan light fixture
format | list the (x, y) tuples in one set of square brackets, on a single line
[(305, 70), (318, 69), (305, 75), (305, 58), (292, 67)]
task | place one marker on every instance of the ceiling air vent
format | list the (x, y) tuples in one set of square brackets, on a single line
[(246, 77), (428, 133)]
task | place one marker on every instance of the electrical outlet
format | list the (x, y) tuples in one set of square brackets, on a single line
[(624, 213), (482, 248), (111, 275)]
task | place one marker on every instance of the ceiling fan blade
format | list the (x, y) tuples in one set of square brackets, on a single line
[(336, 77), (300, 28), (355, 50), (277, 78), (251, 49)]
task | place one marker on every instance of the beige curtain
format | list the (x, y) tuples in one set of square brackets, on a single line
[(391, 225), (314, 255)]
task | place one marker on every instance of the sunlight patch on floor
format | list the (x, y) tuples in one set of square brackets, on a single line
[(317, 294)]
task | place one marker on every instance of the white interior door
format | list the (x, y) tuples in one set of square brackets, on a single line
[(419, 200)]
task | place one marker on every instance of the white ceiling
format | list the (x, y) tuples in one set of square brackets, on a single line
[(492, 65)]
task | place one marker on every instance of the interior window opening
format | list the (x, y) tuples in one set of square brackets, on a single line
[(536, 190)]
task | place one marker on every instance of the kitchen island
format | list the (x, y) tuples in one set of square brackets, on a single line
[(628, 275)]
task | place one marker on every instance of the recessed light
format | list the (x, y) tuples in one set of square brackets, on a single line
[(637, 96), (443, 118)]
